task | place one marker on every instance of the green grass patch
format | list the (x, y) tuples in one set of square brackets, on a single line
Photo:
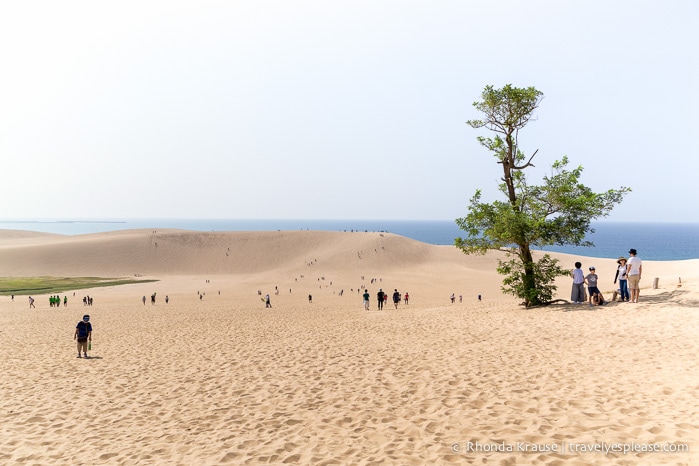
[(48, 285)]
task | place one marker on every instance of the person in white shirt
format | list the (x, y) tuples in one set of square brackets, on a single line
[(634, 267), (577, 294)]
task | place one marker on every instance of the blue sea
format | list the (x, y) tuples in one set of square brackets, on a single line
[(653, 241)]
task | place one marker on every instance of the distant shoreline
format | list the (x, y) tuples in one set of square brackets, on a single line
[(61, 221)]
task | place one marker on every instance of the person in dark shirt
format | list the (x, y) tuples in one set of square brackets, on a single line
[(83, 334), (396, 298), (380, 298)]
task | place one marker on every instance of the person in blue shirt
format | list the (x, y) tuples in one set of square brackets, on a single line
[(83, 334)]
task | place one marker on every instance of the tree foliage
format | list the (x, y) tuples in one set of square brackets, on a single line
[(556, 212)]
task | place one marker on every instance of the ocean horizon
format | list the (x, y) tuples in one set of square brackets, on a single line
[(654, 241)]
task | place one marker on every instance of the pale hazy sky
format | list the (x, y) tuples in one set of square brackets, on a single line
[(336, 109)]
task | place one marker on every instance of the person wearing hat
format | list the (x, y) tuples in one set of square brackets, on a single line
[(594, 292), (83, 334), (634, 267), (621, 275)]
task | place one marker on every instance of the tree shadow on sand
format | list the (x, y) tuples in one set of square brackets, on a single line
[(677, 298)]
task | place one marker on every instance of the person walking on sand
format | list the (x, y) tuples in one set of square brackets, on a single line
[(396, 298), (577, 294), (31, 303), (268, 303), (407, 297), (380, 298), (623, 282), (83, 334), (634, 267), (365, 297)]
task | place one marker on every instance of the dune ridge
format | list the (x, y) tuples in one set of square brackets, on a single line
[(178, 252)]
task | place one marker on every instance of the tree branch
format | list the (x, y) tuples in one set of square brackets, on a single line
[(528, 164)]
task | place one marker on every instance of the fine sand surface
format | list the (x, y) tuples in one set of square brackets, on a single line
[(222, 380)]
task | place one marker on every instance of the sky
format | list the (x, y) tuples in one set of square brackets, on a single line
[(337, 109)]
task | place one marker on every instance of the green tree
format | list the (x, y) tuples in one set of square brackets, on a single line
[(557, 212)]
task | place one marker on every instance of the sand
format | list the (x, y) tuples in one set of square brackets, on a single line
[(222, 380)]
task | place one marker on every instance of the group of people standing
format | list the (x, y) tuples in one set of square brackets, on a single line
[(55, 301), (382, 298), (628, 273)]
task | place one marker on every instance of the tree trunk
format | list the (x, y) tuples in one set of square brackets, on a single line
[(529, 278), (508, 164)]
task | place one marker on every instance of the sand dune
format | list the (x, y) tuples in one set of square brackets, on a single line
[(177, 252), (215, 378)]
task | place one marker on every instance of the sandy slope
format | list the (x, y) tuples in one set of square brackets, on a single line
[(222, 380)]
